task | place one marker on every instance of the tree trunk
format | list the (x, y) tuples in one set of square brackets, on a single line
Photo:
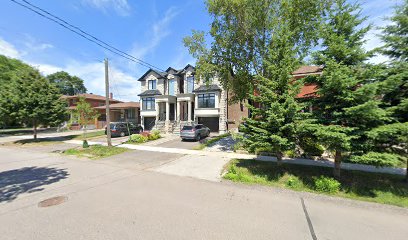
[(279, 156), (35, 129), (337, 164)]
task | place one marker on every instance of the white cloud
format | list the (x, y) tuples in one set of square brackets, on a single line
[(159, 30), (123, 85), (32, 44), (121, 7), (8, 49)]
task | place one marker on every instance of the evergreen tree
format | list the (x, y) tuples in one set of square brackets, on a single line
[(346, 96), (394, 86)]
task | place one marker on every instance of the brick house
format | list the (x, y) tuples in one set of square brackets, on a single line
[(174, 98), (119, 111)]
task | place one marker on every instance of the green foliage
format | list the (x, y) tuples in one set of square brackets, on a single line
[(27, 97), (84, 112), (243, 32), (67, 84), (395, 35), (311, 147), (377, 159), (327, 185), (294, 182), (154, 135), (95, 151), (390, 137), (366, 186), (138, 138)]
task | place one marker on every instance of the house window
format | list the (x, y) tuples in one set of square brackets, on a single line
[(190, 84), (148, 103), (151, 84), (206, 100), (171, 87)]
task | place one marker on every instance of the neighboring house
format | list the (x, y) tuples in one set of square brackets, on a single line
[(119, 111), (174, 98)]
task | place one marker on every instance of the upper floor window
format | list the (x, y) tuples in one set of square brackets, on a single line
[(151, 84), (172, 83), (190, 84), (148, 103), (206, 100)]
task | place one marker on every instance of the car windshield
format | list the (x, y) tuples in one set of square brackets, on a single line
[(112, 125), (187, 127)]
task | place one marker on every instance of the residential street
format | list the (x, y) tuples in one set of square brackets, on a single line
[(123, 197)]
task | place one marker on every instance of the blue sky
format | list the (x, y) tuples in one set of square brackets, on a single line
[(150, 30)]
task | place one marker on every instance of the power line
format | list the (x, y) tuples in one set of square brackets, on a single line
[(83, 33)]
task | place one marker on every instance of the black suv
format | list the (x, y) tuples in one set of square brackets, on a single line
[(121, 129)]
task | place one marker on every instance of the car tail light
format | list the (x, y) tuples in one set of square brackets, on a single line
[(113, 130)]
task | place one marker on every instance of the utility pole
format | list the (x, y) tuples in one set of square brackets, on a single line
[(107, 102)]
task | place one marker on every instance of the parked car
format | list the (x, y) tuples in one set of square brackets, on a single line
[(120, 129), (195, 132)]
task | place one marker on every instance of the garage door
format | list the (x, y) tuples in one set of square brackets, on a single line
[(211, 122), (149, 123)]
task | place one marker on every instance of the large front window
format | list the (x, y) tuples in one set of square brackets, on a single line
[(152, 84), (148, 103), (172, 91), (190, 84), (206, 100)]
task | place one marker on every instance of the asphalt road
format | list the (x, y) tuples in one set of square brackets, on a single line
[(120, 198)]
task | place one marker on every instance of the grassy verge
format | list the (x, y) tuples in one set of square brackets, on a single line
[(373, 187), (95, 151), (210, 141), (90, 135)]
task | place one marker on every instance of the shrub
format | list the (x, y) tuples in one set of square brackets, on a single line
[(290, 153), (155, 134), (138, 138), (377, 159), (294, 182), (85, 144), (311, 148), (326, 185)]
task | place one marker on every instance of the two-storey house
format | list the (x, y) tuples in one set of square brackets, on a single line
[(174, 98)]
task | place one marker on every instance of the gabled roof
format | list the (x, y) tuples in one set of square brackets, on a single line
[(152, 92), (89, 96), (186, 67), (161, 74), (207, 88)]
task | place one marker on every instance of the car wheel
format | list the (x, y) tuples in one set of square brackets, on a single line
[(122, 134), (198, 137)]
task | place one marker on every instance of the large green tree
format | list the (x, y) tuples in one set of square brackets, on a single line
[(37, 101), (347, 96), (67, 84), (242, 34), (85, 113), (394, 85)]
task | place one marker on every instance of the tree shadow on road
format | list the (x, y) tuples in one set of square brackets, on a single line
[(28, 180)]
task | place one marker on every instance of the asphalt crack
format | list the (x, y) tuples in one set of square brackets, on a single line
[(309, 221)]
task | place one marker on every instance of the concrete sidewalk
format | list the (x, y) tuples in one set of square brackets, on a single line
[(229, 155)]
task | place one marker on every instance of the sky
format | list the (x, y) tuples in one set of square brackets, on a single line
[(151, 30)]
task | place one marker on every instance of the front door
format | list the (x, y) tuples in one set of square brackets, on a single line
[(149, 123)]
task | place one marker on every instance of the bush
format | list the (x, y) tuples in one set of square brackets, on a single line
[(155, 134), (326, 185), (138, 138), (311, 148), (294, 182), (377, 159), (290, 153), (85, 144)]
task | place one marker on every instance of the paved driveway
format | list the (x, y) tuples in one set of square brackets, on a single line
[(106, 200)]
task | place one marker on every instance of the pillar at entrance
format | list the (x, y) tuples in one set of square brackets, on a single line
[(167, 111), (178, 112)]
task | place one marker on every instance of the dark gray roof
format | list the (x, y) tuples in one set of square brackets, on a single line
[(161, 74), (150, 93), (207, 88)]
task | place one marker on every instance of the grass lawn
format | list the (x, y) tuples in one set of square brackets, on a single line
[(90, 135), (211, 141), (95, 151), (373, 187)]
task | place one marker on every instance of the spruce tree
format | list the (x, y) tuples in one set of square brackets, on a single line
[(346, 96)]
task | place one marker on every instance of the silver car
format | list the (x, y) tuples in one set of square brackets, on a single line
[(194, 132)]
